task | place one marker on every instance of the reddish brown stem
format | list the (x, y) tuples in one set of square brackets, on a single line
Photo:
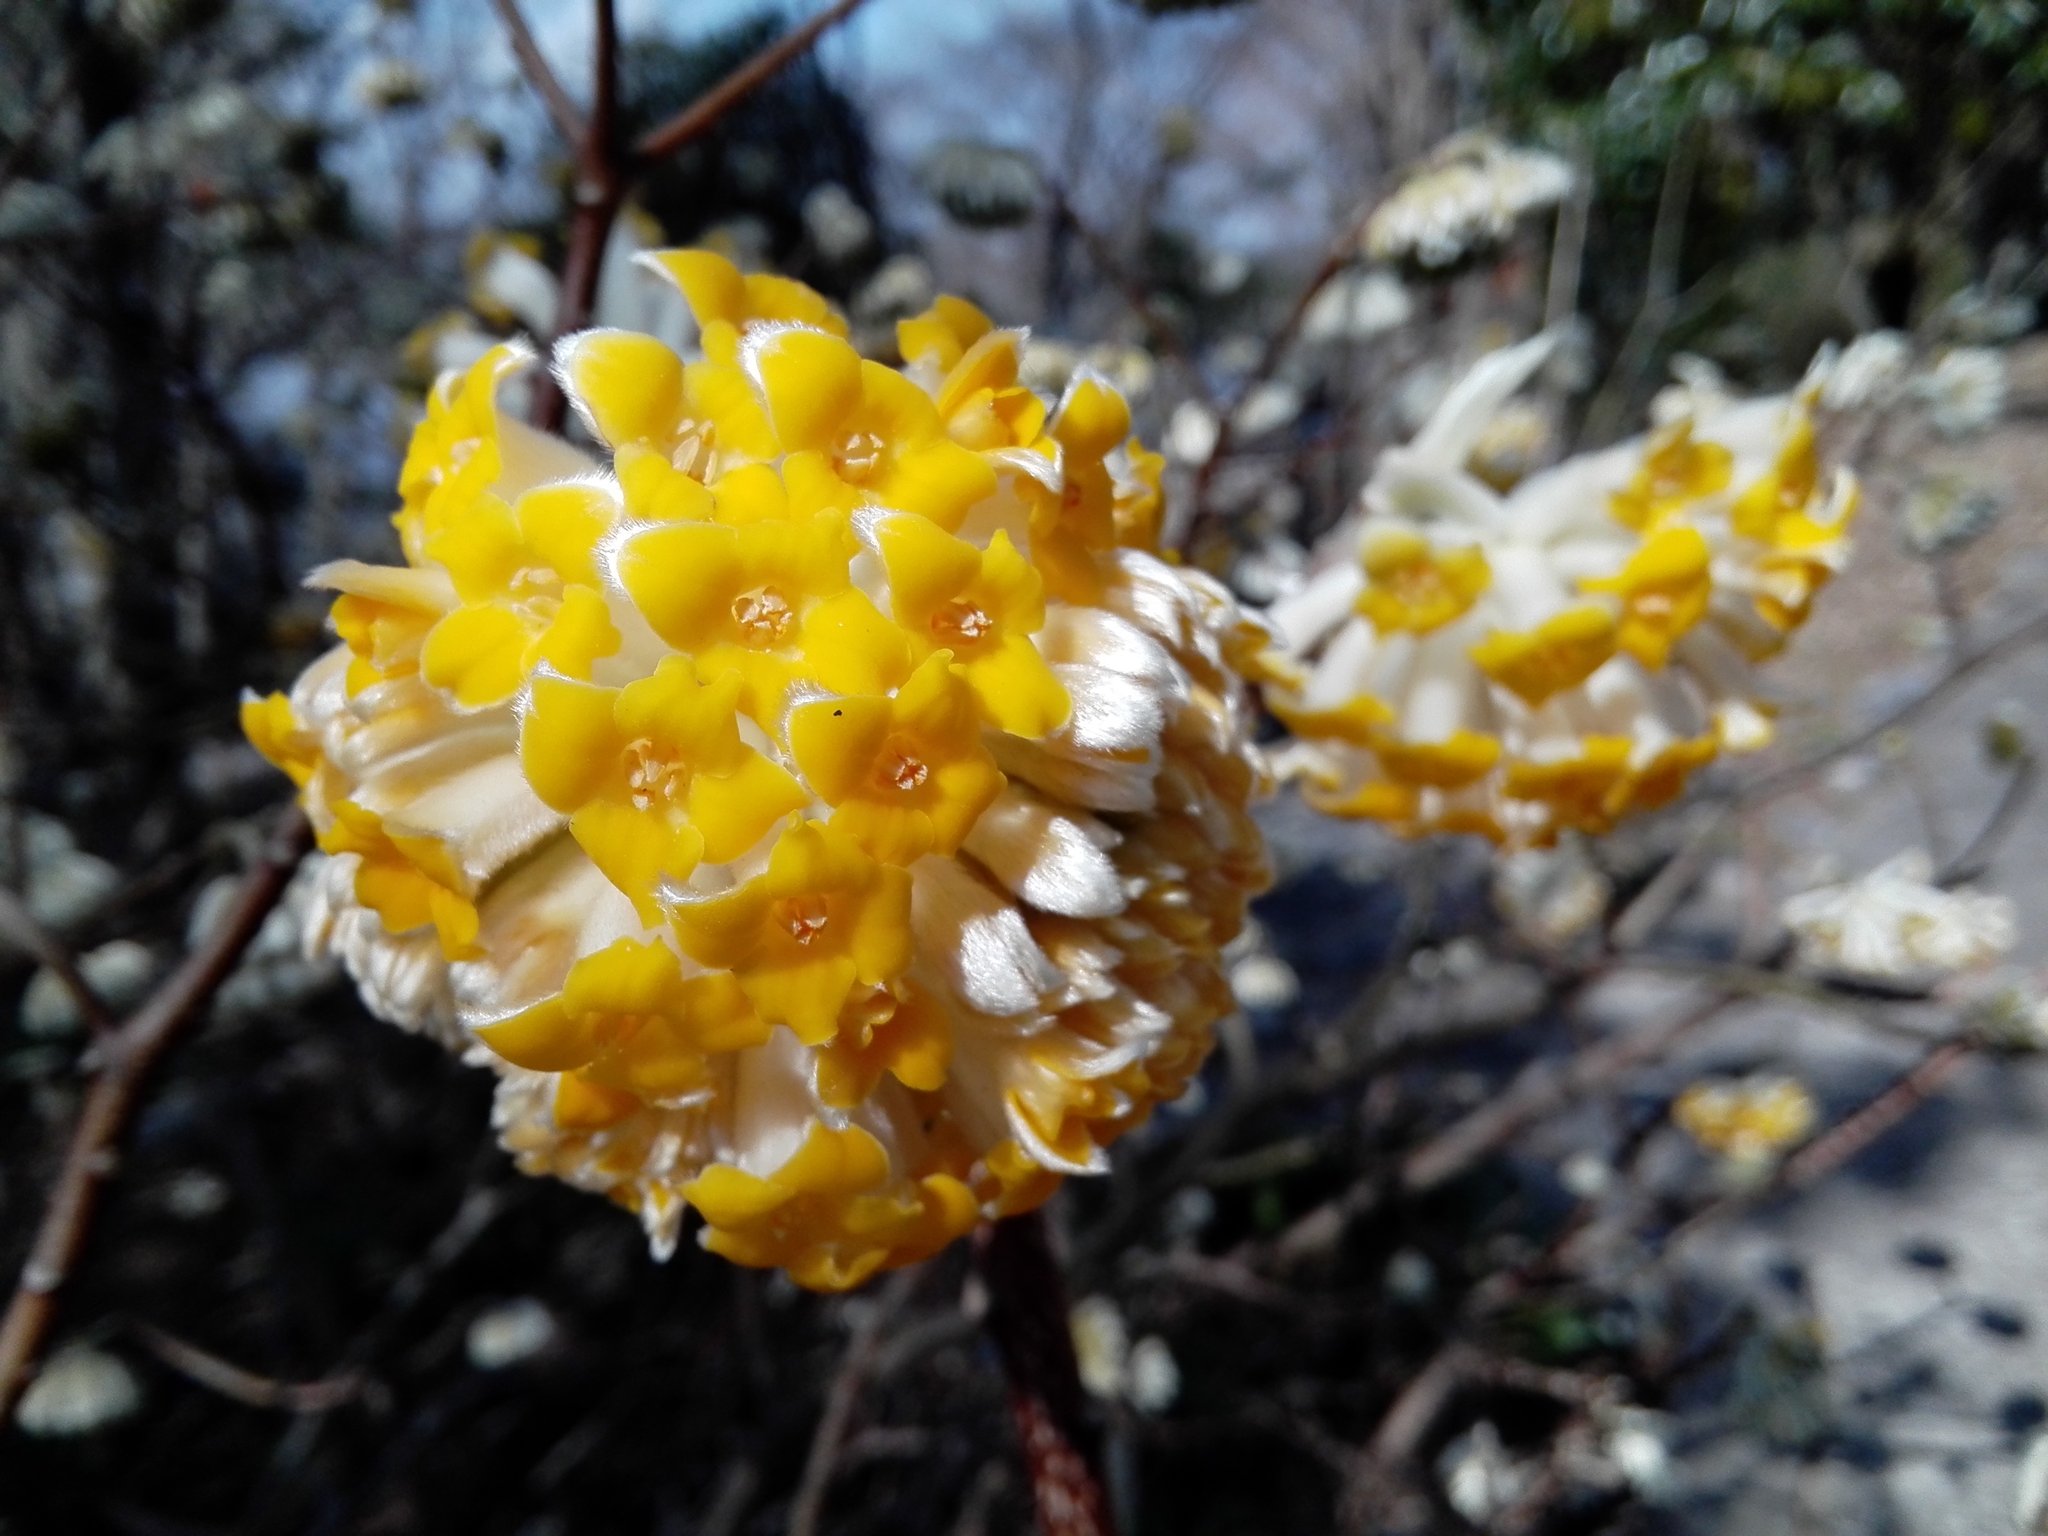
[(1027, 1317), (703, 114), (126, 1059)]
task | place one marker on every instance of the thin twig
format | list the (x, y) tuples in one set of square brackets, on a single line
[(703, 114), (1342, 251), (840, 1400), (19, 926), (240, 1384), (126, 1058), (1975, 857), (606, 171), (533, 65)]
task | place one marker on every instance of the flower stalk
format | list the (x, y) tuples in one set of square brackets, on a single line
[(1027, 1319)]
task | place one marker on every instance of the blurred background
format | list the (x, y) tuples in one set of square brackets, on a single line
[(238, 238)]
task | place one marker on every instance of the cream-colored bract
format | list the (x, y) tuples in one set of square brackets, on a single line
[(825, 811), (1549, 659)]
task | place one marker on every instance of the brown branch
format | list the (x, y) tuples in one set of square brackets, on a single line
[(1341, 253), (600, 190), (240, 1384), (703, 114), (19, 926), (126, 1058), (1841, 1142), (1027, 1316), (605, 172), (862, 1349), (533, 65)]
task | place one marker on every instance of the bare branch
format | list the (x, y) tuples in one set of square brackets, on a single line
[(19, 925), (841, 1398), (127, 1056), (703, 114), (533, 65)]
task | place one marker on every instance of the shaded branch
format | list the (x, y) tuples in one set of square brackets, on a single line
[(1027, 1317), (703, 114), (533, 65), (126, 1057), (19, 926)]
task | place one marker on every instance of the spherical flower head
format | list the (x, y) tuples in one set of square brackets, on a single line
[(821, 807), (1466, 197), (1554, 658)]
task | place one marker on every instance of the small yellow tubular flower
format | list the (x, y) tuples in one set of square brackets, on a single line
[(982, 606), (939, 338), (1410, 586), (1565, 654), (1664, 590), (727, 302), (1748, 1121), (900, 1034), (1559, 653), (636, 392), (858, 433), (768, 602), (821, 918), (906, 775), (827, 823), (627, 1021), (527, 577), (408, 881), (653, 776), (1676, 471)]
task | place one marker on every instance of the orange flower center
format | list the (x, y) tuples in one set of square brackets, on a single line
[(902, 769), (763, 615), (651, 775), (961, 620), (858, 456), (803, 917)]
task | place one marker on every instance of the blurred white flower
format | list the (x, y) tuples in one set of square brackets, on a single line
[(2030, 1488), (984, 186), (1480, 1478), (2010, 1014), (1102, 1346), (1944, 513), (1224, 272), (901, 287), (505, 1334), (1269, 406), (1965, 392), (119, 970), (838, 227), (1869, 373), (1191, 433), (1699, 388), (1639, 1445), (1154, 1375), (195, 1194), (1567, 654), (1894, 923), (1465, 196), (1264, 983), (80, 1389), (386, 85), (1356, 305), (1551, 897)]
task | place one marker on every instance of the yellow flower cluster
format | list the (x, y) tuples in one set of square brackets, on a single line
[(1749, 1120), (1554, 658), (827, 815)]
